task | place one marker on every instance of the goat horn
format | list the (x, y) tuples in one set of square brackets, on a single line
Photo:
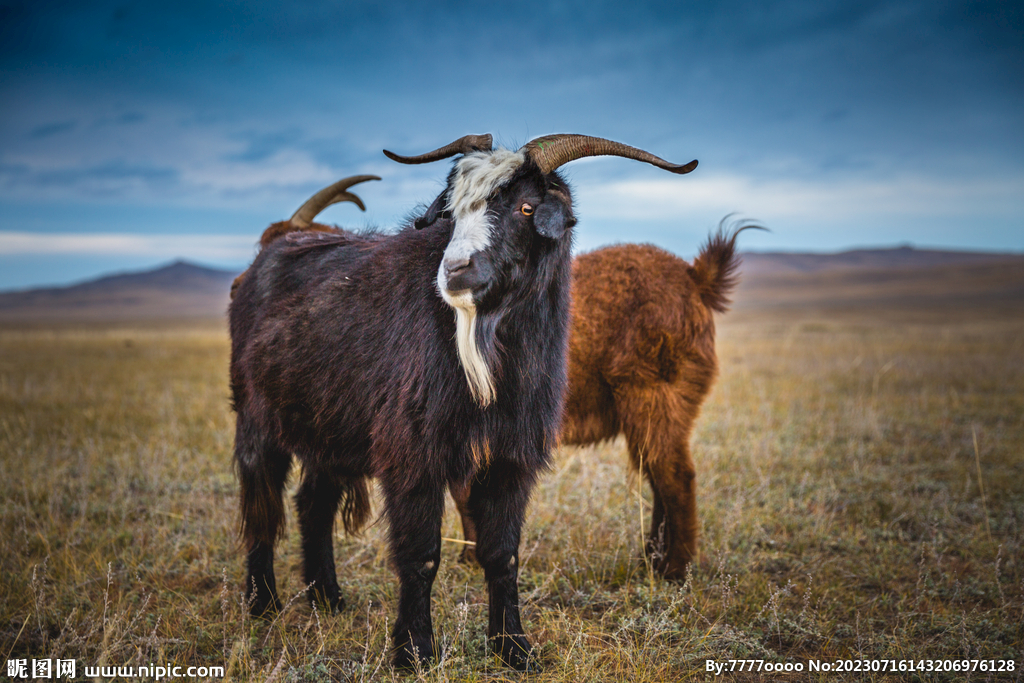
[(331, 194), (464, 145), (551, 151)]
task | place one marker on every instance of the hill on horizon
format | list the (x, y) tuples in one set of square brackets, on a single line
[(178, 290), (901, 257), (859, 279), (180, 273)]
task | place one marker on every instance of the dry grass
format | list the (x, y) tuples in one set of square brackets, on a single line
[(840, 500)]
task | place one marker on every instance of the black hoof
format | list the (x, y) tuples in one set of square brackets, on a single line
[(515, 652), (330, 602), (263, 605), (412, 651)]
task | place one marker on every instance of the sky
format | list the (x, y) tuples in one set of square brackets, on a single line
[(133, 134)]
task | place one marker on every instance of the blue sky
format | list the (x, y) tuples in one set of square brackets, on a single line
[(131, 135)]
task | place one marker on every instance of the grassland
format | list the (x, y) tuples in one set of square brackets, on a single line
[(861, 494)]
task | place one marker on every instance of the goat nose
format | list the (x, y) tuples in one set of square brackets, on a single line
[(454, 267)]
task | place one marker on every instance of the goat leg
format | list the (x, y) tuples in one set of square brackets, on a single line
[(261, 584), (657, 422), (262, 467), (497, 504), (317, 504), (674, 527), (414, 518)]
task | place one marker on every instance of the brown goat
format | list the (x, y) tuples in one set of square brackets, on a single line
[(641, 362)]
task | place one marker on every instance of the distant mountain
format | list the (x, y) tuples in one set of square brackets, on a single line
[(901, 283), (865, 259), (180, 290), (179, 275), (903, 278)]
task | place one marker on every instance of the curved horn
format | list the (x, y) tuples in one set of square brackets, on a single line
[(464, 145), (331, 194), (551, 151)]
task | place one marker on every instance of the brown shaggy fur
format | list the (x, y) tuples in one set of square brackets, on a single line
[(641, 362)]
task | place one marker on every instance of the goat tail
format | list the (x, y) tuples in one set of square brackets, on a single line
[(355, 503), (715, 269)]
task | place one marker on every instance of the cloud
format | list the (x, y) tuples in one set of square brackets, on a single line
[(131, 117), (260, 147), (199, 247), (48, 129), (199, 168), (111, 178), (910, 196)]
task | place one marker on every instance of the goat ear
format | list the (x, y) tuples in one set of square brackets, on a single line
[(552, 218), (432, 213)]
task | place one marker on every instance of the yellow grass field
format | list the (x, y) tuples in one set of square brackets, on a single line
[(861, 483)]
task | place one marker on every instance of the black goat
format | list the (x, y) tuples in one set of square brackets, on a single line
[(346, 353)]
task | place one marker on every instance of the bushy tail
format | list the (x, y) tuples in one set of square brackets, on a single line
[(714, 270)]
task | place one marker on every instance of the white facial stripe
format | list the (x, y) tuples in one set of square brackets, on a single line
[(477, 176), (472, 234)]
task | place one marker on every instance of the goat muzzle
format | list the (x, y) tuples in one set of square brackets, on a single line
[(456, 267)]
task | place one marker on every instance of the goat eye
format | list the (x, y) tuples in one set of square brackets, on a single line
[(526, 209)]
